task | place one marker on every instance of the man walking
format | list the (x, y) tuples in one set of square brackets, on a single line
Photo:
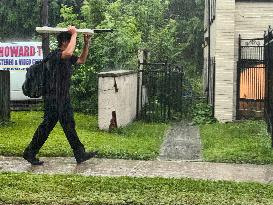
[(57, 102)]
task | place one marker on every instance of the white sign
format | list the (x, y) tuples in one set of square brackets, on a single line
[(19, 55), (16, 57)]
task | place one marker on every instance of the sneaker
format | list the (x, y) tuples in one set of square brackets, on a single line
[(32, 159), (86, 156)]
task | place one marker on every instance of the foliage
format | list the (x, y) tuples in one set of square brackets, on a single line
[(172, 30), (19, 18), (202, 113), (189, 17), (27, 188), (237, 142), (84, 90), (136, 141)]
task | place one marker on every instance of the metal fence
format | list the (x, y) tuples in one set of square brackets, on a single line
[(250, 79), (163, 93), (269, 81)]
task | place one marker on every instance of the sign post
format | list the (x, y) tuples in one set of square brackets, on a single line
[(45, 36)]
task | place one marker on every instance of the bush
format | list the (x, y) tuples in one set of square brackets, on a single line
[(203, 113)]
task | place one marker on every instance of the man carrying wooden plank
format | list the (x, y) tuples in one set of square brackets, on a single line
[(57, 101)]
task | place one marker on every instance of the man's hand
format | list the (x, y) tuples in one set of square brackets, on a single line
[(87, 38), (83, 56), (72, 30)]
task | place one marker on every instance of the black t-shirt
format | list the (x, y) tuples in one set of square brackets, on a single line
[(58, 75)]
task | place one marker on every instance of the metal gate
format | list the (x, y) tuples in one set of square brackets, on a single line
[(250, 79), (162, 92)]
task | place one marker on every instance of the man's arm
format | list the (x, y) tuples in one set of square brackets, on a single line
[(84, 54), (68, 52)]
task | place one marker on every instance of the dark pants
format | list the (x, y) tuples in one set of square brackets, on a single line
[(56, 110)]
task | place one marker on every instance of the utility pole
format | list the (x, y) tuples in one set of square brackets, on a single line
[(45, 37)]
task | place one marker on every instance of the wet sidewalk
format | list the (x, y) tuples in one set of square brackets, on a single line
[(134, 168)]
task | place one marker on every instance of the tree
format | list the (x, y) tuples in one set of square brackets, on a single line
[(189, 17), (171, 29), (20, 17)]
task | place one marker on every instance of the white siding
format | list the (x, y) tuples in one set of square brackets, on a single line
[(252, 19), (225, 64)]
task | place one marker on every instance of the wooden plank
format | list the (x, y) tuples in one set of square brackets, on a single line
[(51, 30)]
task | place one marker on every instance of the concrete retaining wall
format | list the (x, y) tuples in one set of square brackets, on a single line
[(117, 93)]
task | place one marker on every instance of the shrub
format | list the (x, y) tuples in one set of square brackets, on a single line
[(203, 113)]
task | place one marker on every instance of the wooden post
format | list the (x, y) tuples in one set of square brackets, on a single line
[(45, 36), (4, 96)]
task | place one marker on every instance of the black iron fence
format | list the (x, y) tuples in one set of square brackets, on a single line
[(269, 81), (250, 79), (163, 93)]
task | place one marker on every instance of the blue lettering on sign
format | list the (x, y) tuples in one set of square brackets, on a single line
[(6, 61), (35, 60), (24, 61)]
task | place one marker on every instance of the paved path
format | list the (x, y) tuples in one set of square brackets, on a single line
[(182, 142), (134, 168)]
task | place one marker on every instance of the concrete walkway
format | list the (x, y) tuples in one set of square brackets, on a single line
[(182, 142), (134, 168)]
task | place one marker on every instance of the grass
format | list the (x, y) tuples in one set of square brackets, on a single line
[(237, 142), (72, 189), (137, 141)]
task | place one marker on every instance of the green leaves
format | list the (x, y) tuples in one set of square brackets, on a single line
[(202, 113), (172, 30), (27, 188), (69, 17)]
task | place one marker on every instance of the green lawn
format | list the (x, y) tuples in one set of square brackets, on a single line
[(60, 189), (137, 141), (239, 142)]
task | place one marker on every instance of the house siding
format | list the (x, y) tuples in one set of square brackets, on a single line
[(252, 19), (248, 18), (225, 65)]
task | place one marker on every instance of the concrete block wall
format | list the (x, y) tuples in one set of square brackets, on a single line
[(117, 92)]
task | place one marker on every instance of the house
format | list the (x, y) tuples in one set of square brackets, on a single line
[(226, 54)]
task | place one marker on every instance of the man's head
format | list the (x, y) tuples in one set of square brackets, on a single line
[(63, 38)]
